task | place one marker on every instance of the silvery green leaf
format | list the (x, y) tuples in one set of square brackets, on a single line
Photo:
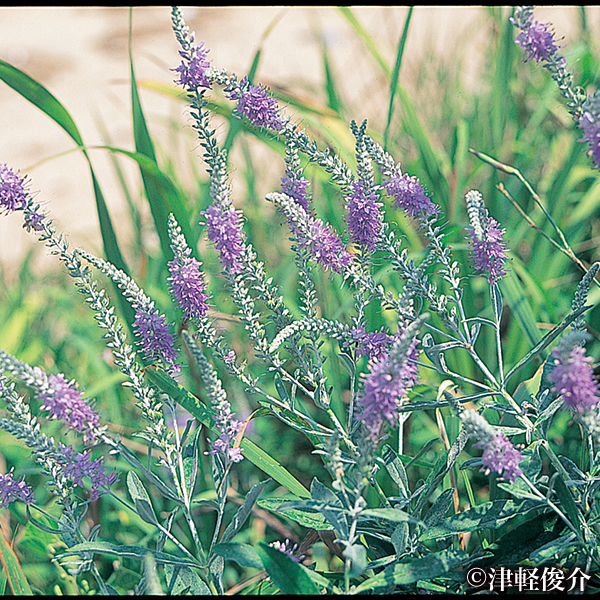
[(133, 460), (395, 469), (242, 514), (357, 554), (140, 497), (347, 363), (185, 581), (243, 554), (497, 304)]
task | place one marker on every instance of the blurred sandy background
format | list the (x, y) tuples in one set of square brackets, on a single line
[(80, 54)]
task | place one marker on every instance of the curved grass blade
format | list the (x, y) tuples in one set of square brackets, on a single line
[(437, 181), (160, 204), (395, 74), (289, 576), (547, 340), (198, 409), (40, 97), (13, 570)]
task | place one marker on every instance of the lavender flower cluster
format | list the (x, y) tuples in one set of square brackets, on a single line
[(391, 362)]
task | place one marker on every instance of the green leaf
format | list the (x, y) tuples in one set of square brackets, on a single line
[(308, 519), (141, 499), (489, 515), (242, 554), (411, 571), (396, 470), (13, 570), (388, 514), (134, 552), (250, 450), (242, 514), (547, 340), (289, 576)]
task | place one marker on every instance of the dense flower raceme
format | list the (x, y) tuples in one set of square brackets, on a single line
[(154, 336), (13, 190), (372, 344), (364, 218), (77, 465), (224, 418), (255, 103), (534, 37), (313, 235), (191, 70), (486, 246), (389, 379), (224, 225), (65, 402), (408, 194), (11, 490), (573, 376), (590, 123), (186, 279), (296, 187), (499, 454)]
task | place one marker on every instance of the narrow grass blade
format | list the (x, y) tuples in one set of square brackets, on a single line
[(396, 73), (251, 451), (289, 576), (160, 205), (13, 570), (40, 97)]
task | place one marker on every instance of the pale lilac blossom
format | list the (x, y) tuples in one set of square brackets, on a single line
[(389, 379), (77, 465), (11, 490), (364, 217), (573, 376), (13, 190), (154, 336), (535, 38), (499, 454), (188, 287), (224, 225), (65, 402), (486, 246), (408, 194), (192, 68), (255, 103)]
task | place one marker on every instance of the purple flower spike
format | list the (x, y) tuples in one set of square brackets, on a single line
[(155, 337), (486, 246), (326, 247), (77, 465), (191, 70), (225, 231), (13, 193), (388, 381), (499, 454), (296, 188), (364, 217), (409, 195), (256, 104), (573, 377), (65, 403), (537, 40), (373, 344), (188, 286), (11, 490)]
